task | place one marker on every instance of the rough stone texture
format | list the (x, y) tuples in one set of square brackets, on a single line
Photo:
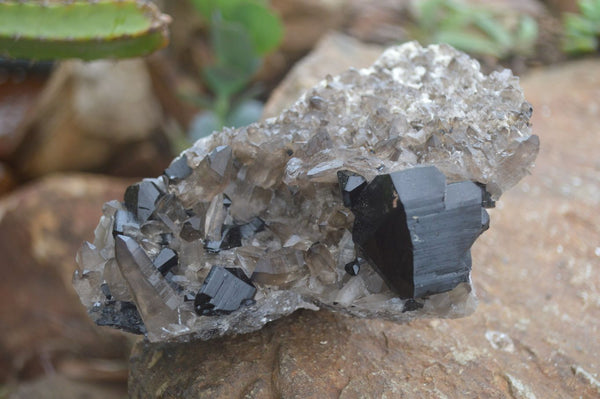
[(414, 106), (42, 325), (534, 334), (332, 55)]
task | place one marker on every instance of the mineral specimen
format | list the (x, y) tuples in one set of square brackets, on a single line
[(364, 198)]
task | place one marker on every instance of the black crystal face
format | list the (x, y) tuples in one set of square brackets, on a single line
[(165, 260), (416, 231), (178, 170), (140, 199), (123, 218), (351, 185), (224, 290), (232, 235), (353, 268)]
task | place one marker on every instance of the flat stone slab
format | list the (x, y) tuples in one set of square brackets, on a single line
[(534, 334)]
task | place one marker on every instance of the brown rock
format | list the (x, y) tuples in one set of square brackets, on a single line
[(18, 94), (560, 6), (307, 21), (333, 54), (59, 387), (382, 21), (534, 333), (43, 327), (90, 116), (7, 179)]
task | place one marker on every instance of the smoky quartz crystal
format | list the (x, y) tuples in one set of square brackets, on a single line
[(364, 197)]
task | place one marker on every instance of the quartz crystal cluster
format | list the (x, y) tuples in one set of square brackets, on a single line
[(364, 197)]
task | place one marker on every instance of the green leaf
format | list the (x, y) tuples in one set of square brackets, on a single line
[(263, 25), (469, 42), (495, 30), (526, 35), (232, 47), (225, 81), (590, 9), (206, 8), (575, 23), (428, 12), (81, 29)]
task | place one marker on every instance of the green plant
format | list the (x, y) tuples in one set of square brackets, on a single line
[(582, 31), (241, 33), (474, 29), (42, 30)]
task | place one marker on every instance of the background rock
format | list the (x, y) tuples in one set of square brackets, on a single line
[(19, 90), (533, 335), (95, 116), (59, 387), (43, 327)]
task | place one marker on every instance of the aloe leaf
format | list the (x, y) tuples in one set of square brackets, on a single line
[(87, 30)]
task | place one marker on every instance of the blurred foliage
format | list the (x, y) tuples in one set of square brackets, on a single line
[(88, 30), (582, 31), (241, 33), (478, 30)]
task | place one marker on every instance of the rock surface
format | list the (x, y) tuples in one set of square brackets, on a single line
[(42, 325), (534, 334)]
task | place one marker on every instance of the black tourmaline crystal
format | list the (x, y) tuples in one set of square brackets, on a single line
[(165, 260), (123, 219), (224, 290), (140, 199), (121, 315), (416, 231), (178, 169), (353, 268), (351, 185), (232, 235)]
